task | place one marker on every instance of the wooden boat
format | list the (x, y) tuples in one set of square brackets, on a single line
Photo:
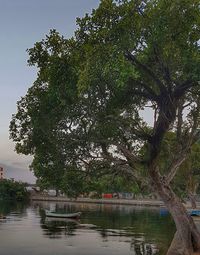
[(62, 215)]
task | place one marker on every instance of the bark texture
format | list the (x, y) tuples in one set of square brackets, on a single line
[(192, 200), (187, 238)]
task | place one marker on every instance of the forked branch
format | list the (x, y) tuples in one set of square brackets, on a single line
[(146, 70)]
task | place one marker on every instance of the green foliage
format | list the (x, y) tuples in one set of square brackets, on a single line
[(83, 113), (188, 178), (73, 183), (13, 190)]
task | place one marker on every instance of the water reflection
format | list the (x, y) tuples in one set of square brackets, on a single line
[(102, 229), (55, 227), (145, 230), (11, 208)]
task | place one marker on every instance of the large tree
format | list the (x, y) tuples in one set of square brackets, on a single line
[(91, 92)]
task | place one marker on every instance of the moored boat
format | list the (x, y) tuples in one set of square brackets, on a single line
[(194, 212), (62, 215)]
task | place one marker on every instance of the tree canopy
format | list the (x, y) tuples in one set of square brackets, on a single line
[(85, 110), (85, 106)]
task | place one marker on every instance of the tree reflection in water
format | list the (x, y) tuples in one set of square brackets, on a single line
[(144, 229), (12, 207), (141, 249), (102, 229)]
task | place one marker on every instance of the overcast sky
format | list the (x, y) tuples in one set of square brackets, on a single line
[(22, 23)]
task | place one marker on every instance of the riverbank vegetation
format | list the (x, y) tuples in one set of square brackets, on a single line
[(13, 190), (86, 113)]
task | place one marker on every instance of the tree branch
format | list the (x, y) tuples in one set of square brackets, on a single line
[(164, 69), (146, 93), (182, 88), (146, 69), (147, 89), (172, 169), (125, 166), (131, 158), (191, 139), (179, 120)]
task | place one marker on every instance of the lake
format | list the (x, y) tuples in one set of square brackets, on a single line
[(102, 229)]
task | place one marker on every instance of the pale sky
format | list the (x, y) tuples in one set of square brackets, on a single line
[(22, 23)]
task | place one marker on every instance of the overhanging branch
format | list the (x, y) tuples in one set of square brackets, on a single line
[(145, 69), (144, 90), (182, 88), (172, 169)]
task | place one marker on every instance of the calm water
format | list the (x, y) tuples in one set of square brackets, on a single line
[(102, 230)]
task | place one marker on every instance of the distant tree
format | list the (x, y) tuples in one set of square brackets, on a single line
[(73, 183), (13, 190), (90, 92)]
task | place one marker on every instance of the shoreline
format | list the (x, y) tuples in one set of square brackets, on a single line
[(144, 202), (134, 202)]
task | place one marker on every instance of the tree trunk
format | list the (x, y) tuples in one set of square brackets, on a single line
[(187, 236), (192, 200)]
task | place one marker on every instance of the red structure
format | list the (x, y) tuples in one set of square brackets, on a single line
[(107, 195), (1, 173)]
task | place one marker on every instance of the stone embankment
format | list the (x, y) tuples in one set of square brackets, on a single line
[(98, 201), (135, 202)]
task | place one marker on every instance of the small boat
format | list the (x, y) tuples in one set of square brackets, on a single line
[(194, 212), (61, 220), (62, 215)]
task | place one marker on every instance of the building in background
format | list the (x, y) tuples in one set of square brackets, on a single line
[(1, 173)]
